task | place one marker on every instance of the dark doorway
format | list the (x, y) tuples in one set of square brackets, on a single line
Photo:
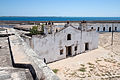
[(103, 28), (98, 28), (86, 46), (115, 28), (109, 29), (68, 51), (61, 52), (75, 48), (44, 60)]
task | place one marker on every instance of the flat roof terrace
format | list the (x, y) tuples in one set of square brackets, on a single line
[(7, 71)]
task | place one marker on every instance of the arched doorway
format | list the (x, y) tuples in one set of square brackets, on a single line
[(98, 29), (103, 28), (86, 46), (115, 28), (68, 51), (109, 29)]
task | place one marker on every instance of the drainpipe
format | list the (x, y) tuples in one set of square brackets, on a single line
[(81, 36), (112, 34)]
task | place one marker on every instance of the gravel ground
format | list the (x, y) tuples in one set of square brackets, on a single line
[(105, 41)]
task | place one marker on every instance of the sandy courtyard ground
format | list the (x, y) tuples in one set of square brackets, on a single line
[(99, 64)]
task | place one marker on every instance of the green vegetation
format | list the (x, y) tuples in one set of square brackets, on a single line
[(119, 64), (110, 60), (92, 66), (82, 65), (2, 29), (89, 75), (34, 30), (90, 63), (99, 60), (55, 70), (97, 74), (103, 74), (91, 69), (74, 73), (42, 28), (82, 69)]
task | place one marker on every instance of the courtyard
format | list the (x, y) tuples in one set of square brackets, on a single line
[(99, 64)]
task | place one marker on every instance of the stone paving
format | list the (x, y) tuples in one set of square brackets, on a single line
[(5, 59), (10, 73)]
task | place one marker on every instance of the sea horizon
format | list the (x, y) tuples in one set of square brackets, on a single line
[(55, 18), (59, 16)]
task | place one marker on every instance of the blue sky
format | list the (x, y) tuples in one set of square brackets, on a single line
[(81, 8)]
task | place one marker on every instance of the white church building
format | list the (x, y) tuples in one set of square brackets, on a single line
[(64, 43)]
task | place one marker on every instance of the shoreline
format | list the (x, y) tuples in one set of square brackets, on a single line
[(37, 22)]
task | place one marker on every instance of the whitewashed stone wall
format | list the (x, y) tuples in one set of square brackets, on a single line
[(49, 47), (42, 71)]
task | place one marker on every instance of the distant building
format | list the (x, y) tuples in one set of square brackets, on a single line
[(99, 26), (104, 27)]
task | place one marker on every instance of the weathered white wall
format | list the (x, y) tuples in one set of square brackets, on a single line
[(49, 47), (43, 72)]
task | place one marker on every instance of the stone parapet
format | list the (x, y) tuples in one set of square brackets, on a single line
[(43, 72)]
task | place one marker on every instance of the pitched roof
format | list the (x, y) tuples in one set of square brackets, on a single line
[(69, 26)]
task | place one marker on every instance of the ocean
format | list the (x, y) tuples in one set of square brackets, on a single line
[(58, 18)]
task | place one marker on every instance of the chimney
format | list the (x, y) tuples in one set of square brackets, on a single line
[(80, 26), (83, 25), (66, 25)]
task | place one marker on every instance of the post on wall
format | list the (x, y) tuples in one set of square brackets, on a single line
[(112, 34)]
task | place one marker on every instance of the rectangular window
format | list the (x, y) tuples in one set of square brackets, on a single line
[(103, 28), (61, 52), (75, 48), (115, 28), (98, 28), (69, 37), (86, 46), (91, 27)]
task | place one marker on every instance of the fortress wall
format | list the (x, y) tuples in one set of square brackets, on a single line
[(43, 72)]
